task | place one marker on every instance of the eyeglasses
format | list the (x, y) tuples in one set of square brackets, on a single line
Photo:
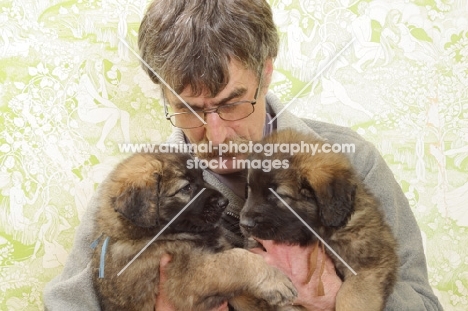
[(228, 112)]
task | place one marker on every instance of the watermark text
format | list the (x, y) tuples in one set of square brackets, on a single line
[(239, 148)]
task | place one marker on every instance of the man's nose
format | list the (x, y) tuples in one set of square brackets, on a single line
[(215, 128)]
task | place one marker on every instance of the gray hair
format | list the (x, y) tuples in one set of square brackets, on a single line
[(191, 42)]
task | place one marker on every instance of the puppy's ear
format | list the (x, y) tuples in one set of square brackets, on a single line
[(335, 196), (134, 189), (337, 202), (139, 202)]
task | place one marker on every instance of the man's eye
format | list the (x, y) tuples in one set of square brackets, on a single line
[(227, 108)]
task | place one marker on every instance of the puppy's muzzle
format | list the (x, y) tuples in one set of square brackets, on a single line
[(249, 223), (214, 207), (219, 202)]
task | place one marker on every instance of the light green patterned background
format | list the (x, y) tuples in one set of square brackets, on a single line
[(70, 91)]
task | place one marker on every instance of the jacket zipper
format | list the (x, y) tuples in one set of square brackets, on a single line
[(233, 215)]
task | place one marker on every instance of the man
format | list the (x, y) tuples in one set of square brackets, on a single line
[(217, 56)]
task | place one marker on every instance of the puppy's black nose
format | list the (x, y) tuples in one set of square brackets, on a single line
[(247, 223), (219, 202), (223, 202)]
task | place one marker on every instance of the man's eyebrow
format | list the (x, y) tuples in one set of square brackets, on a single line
[(235, 93)]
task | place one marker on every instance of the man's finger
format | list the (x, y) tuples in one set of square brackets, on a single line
[(223, 307), (165, 259)]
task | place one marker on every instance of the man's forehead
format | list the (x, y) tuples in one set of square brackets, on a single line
[(239, 77), (228, 93), (205, 93)]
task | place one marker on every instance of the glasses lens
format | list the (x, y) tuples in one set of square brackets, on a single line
[(186, 120), (232, 112), (236, 111)]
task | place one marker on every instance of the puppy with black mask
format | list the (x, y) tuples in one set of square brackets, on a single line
[(141, 197), (325, 192)]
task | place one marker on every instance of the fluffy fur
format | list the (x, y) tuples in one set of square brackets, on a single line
[(324, 190), (139, 198)]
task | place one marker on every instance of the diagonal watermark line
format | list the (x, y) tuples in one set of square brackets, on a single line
[(159, 233), (160, 78), (319, 73), (315, 233)]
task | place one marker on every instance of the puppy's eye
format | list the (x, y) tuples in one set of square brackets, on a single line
[(186, 189), (273, 186), (306, 192)]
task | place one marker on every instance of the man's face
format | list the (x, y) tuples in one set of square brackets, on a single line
[(242, 86)]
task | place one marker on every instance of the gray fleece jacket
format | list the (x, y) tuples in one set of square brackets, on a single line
[(72, 290)]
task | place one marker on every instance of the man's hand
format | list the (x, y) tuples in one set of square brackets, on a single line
[(294, 261), (162, 302)]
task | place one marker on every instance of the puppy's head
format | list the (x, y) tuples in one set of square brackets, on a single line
[(150, 190), (320, 188)]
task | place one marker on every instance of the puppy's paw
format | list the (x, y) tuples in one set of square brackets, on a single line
[(277, 289)]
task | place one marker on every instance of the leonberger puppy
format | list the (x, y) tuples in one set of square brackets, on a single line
[(138, 201), (325, 191)]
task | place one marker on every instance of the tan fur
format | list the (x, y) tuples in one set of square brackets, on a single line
[(326, 192), (138, 199)]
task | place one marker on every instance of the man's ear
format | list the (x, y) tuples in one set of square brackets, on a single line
[(267, 75), (335, 197), (139, 202)]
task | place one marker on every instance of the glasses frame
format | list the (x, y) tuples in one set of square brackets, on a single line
[(212, 110)]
